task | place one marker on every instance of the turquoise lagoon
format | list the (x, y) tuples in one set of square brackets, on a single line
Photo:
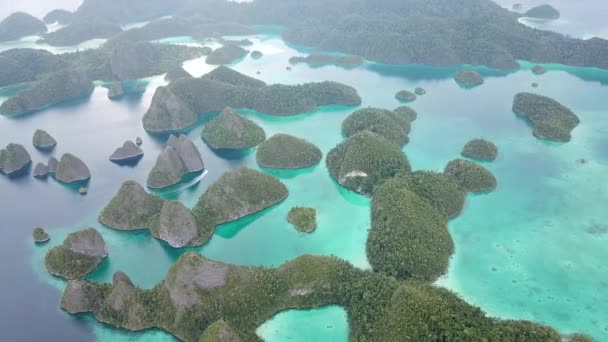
[(533, 249)]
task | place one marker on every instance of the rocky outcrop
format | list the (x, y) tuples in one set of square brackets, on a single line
[(128, 152), (43, 141), (40, 236), (131, 209), (52, 164), (41, 170), (116, 91), (176, 73), (14, 158), (469, 78), (227, 54), (177, 226), (18, 25), (71, 169), (232, 131), (79, 254), (179, 158)]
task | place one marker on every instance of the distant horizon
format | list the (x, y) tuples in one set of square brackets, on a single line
[(37, 8)]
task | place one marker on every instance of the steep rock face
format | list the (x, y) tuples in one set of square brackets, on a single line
[(79, 254), (14, 158), (177, 73), (41, 170), (116, 91), (79, 297), (40, 235), (168, 112), (128, 151), (43, 140), (19, 25), (71, 169), (52, 164), (123, 298), (232, 131), (131, 209), (179, 157), (86, 242), (177, 226)]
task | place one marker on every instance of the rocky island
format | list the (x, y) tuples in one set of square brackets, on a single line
[(226, 54), (256, 54), (79, 254), (40, 236), (19, 25), (303, 219), (365, 160), (283, 151), (392, 125), (471, 176), (539, 70), (14, 158), (71, 169), (468, 78), (176, 73), (179, 158), (481, 149), (51, 89), (544, 11), (43, 140), (324, 59), (128, 152), (178, 105), (231, 131), (405, 96), (550, 119)]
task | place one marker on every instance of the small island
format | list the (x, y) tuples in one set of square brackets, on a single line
[(179, 158), (43, 141), (40, 236), (176, 73), (256, 54), (539, 70), (41, 170), (19, 25), (231, 131), (468, 78), (419, 91), (79, 254), (355, 163), (303, 219), (227, 54), (405, 96), (13, 159), (471, 176), (550, 119), (129, 151), (544, 11), (481, 149), (283, 151), (71, 169), (392, 125), (324, 59), (116, 91)]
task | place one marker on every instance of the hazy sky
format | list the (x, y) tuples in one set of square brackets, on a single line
[(37, 8)]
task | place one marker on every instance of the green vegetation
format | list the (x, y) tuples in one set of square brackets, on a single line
[(51, 89), (469, 78), (14, 158), (405, 96), (18, 25), (543, 12), (219, 331), (227, 54), (283, 151), (60, 16), (79, 254), (178, 105), (304, 219), (364, 161), (392, 125), (480, 149), (40, 236), (440, 191), (471, 176), (42, 140), (408, 237), (410, 114), (550, 119), (81, 32), (323, 59), (232, 131), (26, 65)]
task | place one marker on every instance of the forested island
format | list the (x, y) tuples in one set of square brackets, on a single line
[(283, 151), (392, 125), (178, 105), (550, 119), (231, 131)]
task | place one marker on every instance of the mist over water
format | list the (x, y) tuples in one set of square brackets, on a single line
[(37, 8)]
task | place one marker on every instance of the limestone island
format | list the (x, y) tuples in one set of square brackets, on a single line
[(405, 96), (419, 91), (71, 169), (13, 159), (179, 158), (19, 25), (49, 90), (178, 105), (481, 149), (256, 54), (283, 151), (407, 112), (128, 152), (40, 236), (544, 11), (468, 78), (43, 141), (323, 59), (79, 254), (231, 131), (471, 176), (382, 307), (365, 160), (60, 16), (392, 125), (41, 170), (227, 54), (236, 194), (116, 91), (550, 119), (176, 73), (303, 219), (539, 70)]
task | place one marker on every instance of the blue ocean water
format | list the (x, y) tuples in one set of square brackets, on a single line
[(533, 249)]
